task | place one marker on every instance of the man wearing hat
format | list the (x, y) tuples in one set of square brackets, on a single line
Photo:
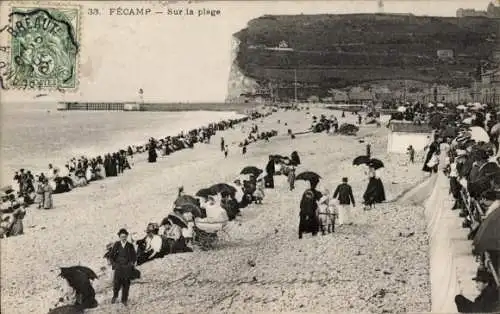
[(123, 258), (486, 301)]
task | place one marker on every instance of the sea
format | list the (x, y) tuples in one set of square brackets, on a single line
[(34, 135)]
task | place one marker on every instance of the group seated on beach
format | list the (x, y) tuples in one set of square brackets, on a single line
[(197, 220), (465, 146), (79, 172)]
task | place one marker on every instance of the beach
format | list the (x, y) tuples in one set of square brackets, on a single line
[(376, 265)]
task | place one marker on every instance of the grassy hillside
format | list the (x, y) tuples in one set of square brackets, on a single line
[(344, 50)]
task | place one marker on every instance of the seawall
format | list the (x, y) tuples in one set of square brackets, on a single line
[(451, 263)]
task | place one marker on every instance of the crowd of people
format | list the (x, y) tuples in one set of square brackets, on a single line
[(38, 189), (465, 147)]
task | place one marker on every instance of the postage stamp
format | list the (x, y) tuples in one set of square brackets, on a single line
[(44, 48)]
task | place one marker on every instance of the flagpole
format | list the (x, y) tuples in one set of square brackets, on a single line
[(295, 84)]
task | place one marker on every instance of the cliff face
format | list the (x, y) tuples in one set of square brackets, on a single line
[(335, 51), (238, 83)]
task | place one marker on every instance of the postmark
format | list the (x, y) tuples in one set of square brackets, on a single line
[(44, 48)]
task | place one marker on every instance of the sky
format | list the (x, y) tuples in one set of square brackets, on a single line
[(180, 58)]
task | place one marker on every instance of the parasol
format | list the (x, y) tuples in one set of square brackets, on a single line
[(440, 105), (360, 160), (401, 109), (223, 187), (175, 219), (375, 163), (186, 199), (205, 193), (487, 237), (479, 134), (461, 107), (251, 170), (495, 129), (89, 272), (78, 279), (308, 176)]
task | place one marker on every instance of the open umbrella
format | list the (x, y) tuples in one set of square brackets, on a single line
[(175, 219), (479, 134), (440, 105), (79, 280), (495, 129), (361, 160), (186, 200), (402, 109), (223, 188), (89, 272), (430, 105), (308, 176), (205, 193), (461, 107), (375, 163), (487, 237), (251, 170), (190, 208)]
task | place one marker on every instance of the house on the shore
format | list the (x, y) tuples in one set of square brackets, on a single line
[(357, 96)]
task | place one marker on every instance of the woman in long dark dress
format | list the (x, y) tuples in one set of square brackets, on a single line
[(309, 222), (269, 179), (152, 154), (375, 192), (433, 149)]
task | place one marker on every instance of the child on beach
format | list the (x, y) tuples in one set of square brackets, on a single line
[(259, 191), (226, 151), (411, 153)]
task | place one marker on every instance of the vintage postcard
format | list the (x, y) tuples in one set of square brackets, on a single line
[(250, 156)]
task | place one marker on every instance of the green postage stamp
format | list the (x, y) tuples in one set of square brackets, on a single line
[(44, 48)]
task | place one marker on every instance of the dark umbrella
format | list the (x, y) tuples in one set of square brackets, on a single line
[(186, 199), (205, 193), (190, 208), (176, 219), (77, 279), (361, 160), (89, 272), (487, 237), (308, 176), (375, 163), (251, 170), (223, 187)]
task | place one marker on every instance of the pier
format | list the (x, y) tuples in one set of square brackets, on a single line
[(134, 106)]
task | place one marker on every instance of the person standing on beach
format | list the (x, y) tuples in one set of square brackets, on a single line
[(123, 258), (343, 193), (222, 144), (47, 195), (291, 178), (226, 151), (411, 153)]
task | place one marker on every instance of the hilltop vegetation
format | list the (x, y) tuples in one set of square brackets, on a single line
[(343, 50)]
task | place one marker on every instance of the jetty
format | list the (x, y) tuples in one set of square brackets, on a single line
[(136, 106)]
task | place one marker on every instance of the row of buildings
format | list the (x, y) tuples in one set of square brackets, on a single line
[(492, 11)]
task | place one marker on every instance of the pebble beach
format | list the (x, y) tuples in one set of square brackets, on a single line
[(377, 265)]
